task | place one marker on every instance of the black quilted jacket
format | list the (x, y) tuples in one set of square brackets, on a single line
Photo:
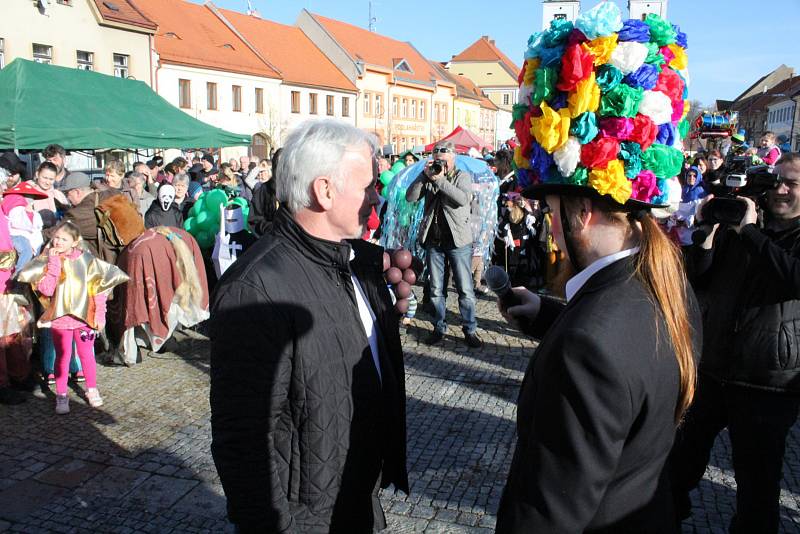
[(302, 425)]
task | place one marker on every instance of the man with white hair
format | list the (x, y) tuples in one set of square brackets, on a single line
[(307, 390)]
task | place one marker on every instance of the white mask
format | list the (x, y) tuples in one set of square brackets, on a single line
[(234, 219), (166, 195)]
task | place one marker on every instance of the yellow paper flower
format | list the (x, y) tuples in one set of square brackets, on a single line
[(611, 181), (585, 97), (530, 70), (551, 130), (686, 108), (680, 61), (601, 48), (520, 160)]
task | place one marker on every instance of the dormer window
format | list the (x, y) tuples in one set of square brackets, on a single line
[(172, 35), (402, 66), (228, 46)]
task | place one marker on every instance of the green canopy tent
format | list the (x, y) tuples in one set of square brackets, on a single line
[(44, 104)]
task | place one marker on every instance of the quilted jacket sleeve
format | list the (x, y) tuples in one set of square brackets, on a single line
[(251, 365)]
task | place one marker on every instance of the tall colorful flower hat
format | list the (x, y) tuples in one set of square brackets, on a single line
[(602, 109)]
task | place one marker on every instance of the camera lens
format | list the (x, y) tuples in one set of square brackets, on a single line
[(436, 167)]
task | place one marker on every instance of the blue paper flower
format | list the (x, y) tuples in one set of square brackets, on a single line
[(680, 37), (666, 134), (663, 198), (645, 77), (634, 30), (558, 100), (541, 161), (558, 33), (600, 21), (535, 43), (550, 57)]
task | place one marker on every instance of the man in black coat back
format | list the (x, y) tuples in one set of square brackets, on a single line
[(748, 281), (307, 380), (598, 406)]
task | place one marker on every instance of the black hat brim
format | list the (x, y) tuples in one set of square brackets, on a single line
[(539, 191)]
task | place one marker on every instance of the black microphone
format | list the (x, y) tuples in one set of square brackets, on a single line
[(499, 283)]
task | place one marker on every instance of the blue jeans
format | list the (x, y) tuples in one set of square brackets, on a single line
[(24, 252), (461, 264)]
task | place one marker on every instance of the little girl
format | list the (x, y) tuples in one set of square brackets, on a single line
[(74, 285)]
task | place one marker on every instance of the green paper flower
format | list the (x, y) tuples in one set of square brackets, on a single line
[(622, 101), (608, 77)]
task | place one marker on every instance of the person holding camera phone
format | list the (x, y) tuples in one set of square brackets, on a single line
[(748, 280), (445, 232)]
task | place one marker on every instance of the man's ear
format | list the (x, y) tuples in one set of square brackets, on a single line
[(322, 192), (585, 215)]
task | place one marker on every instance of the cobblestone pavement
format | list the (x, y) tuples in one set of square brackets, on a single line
[(141, 463)]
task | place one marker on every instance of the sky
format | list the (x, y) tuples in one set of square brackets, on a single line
[(732, 43)]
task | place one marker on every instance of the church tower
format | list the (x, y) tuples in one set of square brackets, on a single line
[(639, 9), (559, 9)]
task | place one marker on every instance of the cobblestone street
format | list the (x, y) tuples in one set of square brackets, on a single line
[(141, 463)]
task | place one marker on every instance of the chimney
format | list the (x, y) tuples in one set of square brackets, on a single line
[(491, 42), (485, 37)]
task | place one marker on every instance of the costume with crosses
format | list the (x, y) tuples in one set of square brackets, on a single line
[(232, 240)]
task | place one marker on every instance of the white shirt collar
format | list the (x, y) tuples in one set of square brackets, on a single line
[(575, 283)]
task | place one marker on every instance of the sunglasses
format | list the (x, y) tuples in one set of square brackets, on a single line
[(443, 150)]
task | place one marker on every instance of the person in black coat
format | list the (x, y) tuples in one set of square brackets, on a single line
[(265, 203), (163, 211), (610, 379), (307, 377)]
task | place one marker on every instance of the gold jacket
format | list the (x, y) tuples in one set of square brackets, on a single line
[(81, 279)]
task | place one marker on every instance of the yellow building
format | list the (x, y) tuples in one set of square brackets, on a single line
[(112, 38), (402, 98)]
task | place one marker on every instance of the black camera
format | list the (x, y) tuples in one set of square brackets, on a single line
[(739, 180), (437, 167)]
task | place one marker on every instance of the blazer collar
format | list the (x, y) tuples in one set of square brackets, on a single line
[(614, 273)]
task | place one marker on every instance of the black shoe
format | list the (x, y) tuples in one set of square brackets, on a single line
[(26, 385), (11, 397), (473, 341), (434, 338)]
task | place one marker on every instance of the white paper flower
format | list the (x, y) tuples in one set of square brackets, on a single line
[(629, 56), (568, 156), (657, 106)]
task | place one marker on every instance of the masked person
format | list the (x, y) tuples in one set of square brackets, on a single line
[(232, 239), (163, 211), (611, 378)]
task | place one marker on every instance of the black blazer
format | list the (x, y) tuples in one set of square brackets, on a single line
[(595, 418)]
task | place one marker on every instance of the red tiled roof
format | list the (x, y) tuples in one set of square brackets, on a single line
[(126, 12), (191, 34), (472, 91), (484, 49), (379, 50), (288, 48)]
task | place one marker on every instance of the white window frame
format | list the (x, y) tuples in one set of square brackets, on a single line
[(122, 65), (44, 55), (378, 104), (83, 63)]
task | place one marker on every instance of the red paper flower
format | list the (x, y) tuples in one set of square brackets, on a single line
[(576, 65), (598, 153), (645, 131), (524, 136), (670, 83)]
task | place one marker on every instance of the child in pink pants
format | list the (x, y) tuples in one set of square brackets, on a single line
[(75, 285)]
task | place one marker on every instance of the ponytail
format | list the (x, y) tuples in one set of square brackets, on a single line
[(660, 268)]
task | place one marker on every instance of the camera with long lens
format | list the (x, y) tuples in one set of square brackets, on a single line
[(739, 180), (437, 167)]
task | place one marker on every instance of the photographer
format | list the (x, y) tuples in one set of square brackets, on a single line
[(445, 232), (748, 281)]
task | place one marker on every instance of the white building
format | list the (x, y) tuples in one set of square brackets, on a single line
[(559, 9), (782, 119), (639, 9)]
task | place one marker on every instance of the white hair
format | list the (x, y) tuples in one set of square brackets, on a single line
[(314, 149)]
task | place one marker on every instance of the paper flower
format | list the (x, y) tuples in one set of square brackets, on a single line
[(585, 97), (541, 160), (567, 157), (644, 131), (680, 108), (619, 128), (631, 155), (576, 37), (584, 127), (671, 84), (668, 54), (598, 153), (664, 161), (551, 56), (543, 85), (601, 48), (622, 101), (611, 181), (634, 30), (603, 19), (535, 44), (654, 56), (558, 33), (645, 186), (629, 56), (608, 77), (666, 134), (552, 128), (645, 77), (579, 177), (657, 106), (558, 100), (661, 31), (576, 65), (683, 128), (680, 37), (679, 60), (519, 160), (523, 130), (530, 70), (525, 94)]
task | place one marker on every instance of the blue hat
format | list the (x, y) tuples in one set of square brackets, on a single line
[(195, 189)]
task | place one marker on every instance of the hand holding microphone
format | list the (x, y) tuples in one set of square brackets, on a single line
[(517, 305)]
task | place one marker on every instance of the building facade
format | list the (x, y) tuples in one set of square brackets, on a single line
[(83, 34), (639, 9), (559, 9)]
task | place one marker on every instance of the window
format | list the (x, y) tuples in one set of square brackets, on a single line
[(236, 97), (85, 60), (259, 100), (422, 110), (506, 99), (436, 112), (345, 106), (367, 103), (42, 53), (121, 65), (2, 53), (394, 107), (211, 96), (413, 109), (312, 103), (404, 108), (378, 105), (444, 113), (64, 2), (185, 94), (295, 101), (329, 104)]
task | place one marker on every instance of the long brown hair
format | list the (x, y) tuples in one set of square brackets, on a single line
[(660, 268)]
